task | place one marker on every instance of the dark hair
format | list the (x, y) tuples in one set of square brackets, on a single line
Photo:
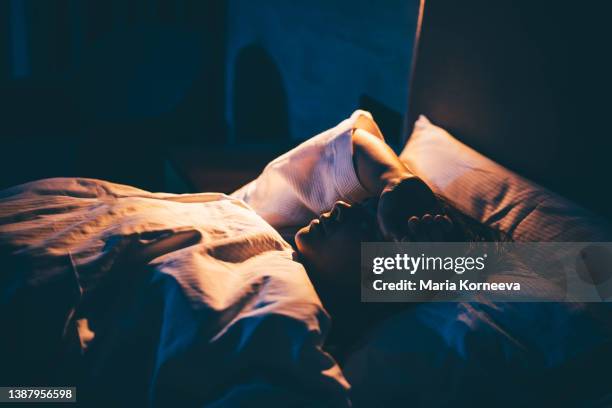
[(353, 319), (466, 228)]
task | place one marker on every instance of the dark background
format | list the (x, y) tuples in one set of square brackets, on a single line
[(527, 83), (189, 95)]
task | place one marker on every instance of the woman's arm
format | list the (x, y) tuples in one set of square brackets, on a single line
[(310, 178), (349, 162), (376, 165), (382, 173)]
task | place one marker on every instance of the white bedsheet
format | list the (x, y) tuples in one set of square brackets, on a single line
[(222, 312)]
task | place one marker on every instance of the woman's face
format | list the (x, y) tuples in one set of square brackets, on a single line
[(331, 244)]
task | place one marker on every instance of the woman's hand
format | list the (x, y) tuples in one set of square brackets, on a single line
[(383, 175), (429, 228), (401, 203)]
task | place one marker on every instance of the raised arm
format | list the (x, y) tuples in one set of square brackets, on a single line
[(376, 165), (384, 175), (350, 162)]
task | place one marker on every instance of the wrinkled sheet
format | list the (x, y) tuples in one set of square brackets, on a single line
[(185, 299)]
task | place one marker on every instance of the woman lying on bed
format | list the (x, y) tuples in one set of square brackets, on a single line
[(359, 191), (198, 295)]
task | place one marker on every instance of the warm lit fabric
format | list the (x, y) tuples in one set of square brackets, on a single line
[(307, 180), (493, 194), (222, 313)]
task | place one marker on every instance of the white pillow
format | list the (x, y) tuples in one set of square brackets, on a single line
[(494, 195), (471, 354)]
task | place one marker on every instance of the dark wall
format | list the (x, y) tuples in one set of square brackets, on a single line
[(104, 88), (107, 88), (526, 83), (324, 58)]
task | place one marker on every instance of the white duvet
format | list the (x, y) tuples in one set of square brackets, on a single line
[(217, 311)]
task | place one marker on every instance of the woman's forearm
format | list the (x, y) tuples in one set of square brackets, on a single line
[(376, 164), (401, 193)]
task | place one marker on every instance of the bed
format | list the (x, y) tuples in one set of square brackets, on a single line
[(504, 121), (443, 354)]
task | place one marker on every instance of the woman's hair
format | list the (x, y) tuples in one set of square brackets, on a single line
[(353, 319), (467, 229)]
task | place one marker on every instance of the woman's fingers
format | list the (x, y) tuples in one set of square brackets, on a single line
[(413, 228), (437, 232), (445, 222), (428, 228)]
